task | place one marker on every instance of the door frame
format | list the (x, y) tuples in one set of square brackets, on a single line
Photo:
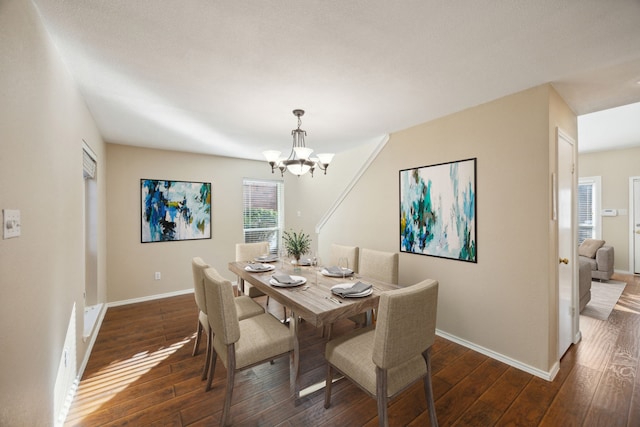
[(632, 225)]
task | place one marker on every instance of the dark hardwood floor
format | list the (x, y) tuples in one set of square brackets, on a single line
[(141, 373)]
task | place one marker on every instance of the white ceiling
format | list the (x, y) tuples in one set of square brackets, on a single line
[(222, 77)]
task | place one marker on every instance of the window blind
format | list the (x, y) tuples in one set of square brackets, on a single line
[(263, 212), (589, 216), (88, 165)]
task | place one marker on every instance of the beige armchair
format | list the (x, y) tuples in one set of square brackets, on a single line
[(386, 360), (240, 343), (245, 308)]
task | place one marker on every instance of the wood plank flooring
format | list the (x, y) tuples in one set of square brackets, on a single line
[(141, 373)]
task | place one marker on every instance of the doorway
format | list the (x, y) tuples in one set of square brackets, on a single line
[(91, 306), (634, 224)]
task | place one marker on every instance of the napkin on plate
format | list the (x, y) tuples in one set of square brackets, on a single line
[(285, 279), (335, 270), (357, 288), (258, 266), (267, 258)]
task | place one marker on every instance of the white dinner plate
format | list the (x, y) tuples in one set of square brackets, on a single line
[(268, 258), (267, 267), (347, 272), (299, 281), (348, 285)]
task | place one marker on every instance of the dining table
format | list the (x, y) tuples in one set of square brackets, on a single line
[(311, 300)]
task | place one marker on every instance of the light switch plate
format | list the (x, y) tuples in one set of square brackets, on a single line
[(10, 223)]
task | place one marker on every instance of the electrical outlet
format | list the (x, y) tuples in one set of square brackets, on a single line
[(11, 223), (158, 275)]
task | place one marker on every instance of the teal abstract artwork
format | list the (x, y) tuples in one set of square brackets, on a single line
[(175, 210), (438, 210)]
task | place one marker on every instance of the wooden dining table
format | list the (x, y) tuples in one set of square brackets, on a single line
[(312, 301)]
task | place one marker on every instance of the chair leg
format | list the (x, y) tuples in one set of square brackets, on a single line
[(231, 370), (327, 387), (196, 345), (212, 365), (381, 396), (428, 389), (207, 357)]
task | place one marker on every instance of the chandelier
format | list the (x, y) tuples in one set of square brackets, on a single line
[(299, 161)]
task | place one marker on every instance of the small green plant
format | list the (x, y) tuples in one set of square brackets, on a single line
[(296, 244)]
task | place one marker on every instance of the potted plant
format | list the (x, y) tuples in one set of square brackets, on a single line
[(296, 244)]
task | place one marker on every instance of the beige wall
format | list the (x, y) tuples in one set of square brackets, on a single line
[(502, 302), (42, 123), (131, 265), (615, 167), (314, 197)]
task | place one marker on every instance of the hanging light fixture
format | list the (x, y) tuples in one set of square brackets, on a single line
[(299, 161)]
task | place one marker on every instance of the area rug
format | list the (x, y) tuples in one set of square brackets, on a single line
[(604, 296)]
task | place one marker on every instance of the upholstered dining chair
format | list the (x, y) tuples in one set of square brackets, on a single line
[(245, 307), (385, 360), (240, 344), (377, 265), (351, 254), (341, 251), (249, 252)]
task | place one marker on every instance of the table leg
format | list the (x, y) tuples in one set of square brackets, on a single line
[(294, 367), (240, 286)]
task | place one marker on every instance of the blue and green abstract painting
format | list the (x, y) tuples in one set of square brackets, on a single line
[(175, 210), (438, 210)]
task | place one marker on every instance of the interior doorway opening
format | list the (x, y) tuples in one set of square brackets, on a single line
[(91, 306)]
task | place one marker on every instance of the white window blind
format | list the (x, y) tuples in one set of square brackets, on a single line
[(263, 212), (589, 209), (88, 165)]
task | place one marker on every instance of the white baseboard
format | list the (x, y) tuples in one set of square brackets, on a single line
[(150, 298), (502, 358)]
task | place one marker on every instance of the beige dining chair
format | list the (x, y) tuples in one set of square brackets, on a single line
[(379, 265), (376, 265), (385, 360), (240, 344), (341, 251), (249, 252), (245, 307)]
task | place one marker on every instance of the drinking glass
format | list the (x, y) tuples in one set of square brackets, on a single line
[(315, 262), (283, 256), (343, 263)]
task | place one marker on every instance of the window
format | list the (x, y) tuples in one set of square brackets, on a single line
[(589, 208), (263, 212)]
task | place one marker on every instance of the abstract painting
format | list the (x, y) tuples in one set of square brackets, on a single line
[(175, 210), (438, 210)]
